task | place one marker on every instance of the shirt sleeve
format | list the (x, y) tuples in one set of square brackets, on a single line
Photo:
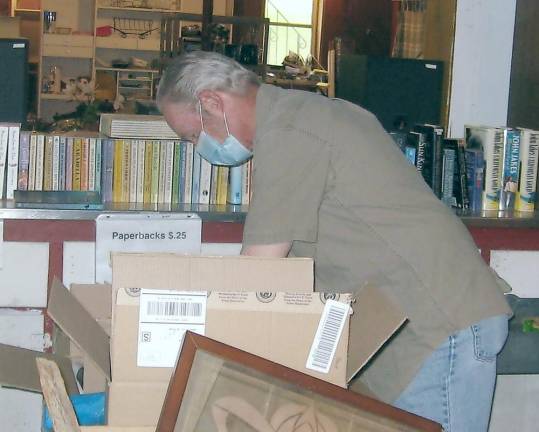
[(290, 170)]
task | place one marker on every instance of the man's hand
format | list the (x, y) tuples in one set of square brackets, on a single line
[(277, 250)]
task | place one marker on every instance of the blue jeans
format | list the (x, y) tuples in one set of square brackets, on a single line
[(455, 385)]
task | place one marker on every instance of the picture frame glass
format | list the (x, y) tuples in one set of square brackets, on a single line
[(225, 396)]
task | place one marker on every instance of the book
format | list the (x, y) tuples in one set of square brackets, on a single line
[(91, 164), (432, 172), (136, 127), (107, 170), (195, 191), (32, 165), (77, 161), (222, 185), (490, 141), (161, 172), (511, 169), (155, 171), (234, 185), (169, 158), (475, 177), (62, 164), (85, 155), (133, 167), (527, 187), (40, 161), (246, 182), (205, 181), (176, 169), (126, 171), (69, 163), (399, 138), (12, 164), (98, 163), (188, 187), (4, 140), (24, 160), (148, 154), (448, 177), (463, 200), (117, 171), (48, 163), (141, 150), (410, 154), (55, 162), (214, 183)]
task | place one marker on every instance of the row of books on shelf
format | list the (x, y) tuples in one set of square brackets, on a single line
[(122, 170), (492, 168)]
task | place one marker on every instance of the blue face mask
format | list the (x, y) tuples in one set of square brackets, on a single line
[(230, 153)]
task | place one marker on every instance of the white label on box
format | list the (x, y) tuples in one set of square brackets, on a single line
[(175, 233), (327, 336), (164, 317)]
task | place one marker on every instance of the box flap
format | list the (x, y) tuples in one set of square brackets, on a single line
[(18, 369), (374, 320), (204, 273), (79, 325), (95, 298)]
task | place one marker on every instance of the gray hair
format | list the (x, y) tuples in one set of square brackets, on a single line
[(189, 74)]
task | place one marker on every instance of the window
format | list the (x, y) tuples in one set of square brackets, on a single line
[(291, 28)]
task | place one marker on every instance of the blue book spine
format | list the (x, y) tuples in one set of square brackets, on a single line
[(196, 178), (448, 174), (234, 185), (107, 161), (475, 166)]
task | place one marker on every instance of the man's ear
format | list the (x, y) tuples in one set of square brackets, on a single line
[(211, 102)]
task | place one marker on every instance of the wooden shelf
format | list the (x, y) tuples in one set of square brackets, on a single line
[(112, 69), (54, 96)]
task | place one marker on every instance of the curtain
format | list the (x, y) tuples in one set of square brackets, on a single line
[(409, 38)]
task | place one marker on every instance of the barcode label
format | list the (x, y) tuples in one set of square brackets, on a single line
[(171, 308), (327, 336), (164, 316)]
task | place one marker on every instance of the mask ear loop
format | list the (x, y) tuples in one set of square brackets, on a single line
[(226, 124), (200, 113)]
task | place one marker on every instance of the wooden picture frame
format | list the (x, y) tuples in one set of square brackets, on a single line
[(216, 387)]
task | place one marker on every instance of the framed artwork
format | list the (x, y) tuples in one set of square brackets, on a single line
[(218, 388)]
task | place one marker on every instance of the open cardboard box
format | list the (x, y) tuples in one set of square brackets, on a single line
[(234, 315)]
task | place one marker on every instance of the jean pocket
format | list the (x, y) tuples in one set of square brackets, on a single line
[(489, 337)]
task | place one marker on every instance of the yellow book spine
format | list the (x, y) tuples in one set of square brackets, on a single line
[(117, 171), (148, 155), (77, 158), (47, 163), (222, 186)]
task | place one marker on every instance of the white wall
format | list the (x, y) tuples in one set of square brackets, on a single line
[(481, 63)]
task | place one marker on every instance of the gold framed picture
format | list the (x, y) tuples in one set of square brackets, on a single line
[(219, 388)]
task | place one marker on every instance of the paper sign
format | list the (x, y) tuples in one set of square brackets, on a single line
[(164, 317), (152, 232), (327, 336), (1, 244)]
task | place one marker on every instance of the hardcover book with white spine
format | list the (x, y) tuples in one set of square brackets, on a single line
[(56, 163), (189, 151), (4, 139), (40, 158), (32, 165), (12, 160), (133, 160), (205, 181), (529, 154)]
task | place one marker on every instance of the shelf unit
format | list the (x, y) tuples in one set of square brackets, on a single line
[(132, 82)]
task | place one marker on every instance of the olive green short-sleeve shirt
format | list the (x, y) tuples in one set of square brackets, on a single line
[(329, 179)]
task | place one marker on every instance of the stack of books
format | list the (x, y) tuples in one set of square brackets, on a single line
[(492, 168), (122, 170)]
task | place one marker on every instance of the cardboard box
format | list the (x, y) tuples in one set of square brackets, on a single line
[(236, 318)]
